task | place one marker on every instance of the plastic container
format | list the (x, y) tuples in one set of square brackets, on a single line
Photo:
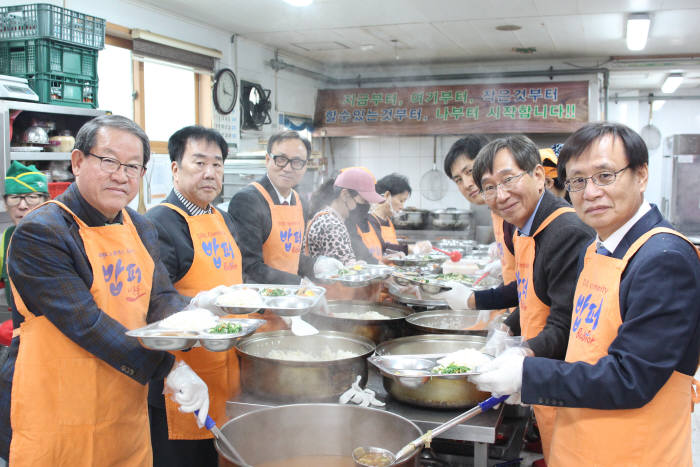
[(21, 58), (41, 20), (56, 188), (64, 90)]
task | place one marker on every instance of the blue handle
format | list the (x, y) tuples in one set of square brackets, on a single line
[(209, 423), (491, 402)]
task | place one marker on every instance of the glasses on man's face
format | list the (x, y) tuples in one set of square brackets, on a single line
[(32, 199), (606, 177), (490, 191), (111, 165), (282, 161)]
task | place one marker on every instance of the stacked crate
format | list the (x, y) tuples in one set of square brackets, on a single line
[(55, 49)]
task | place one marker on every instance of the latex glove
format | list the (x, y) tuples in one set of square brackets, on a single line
[(207, 300), (493, 269), (484, 316), (423, 247), (503, 375), (188, 390), (494, 251), (496, 343), (457, 296), (326, 265), (298, 326)]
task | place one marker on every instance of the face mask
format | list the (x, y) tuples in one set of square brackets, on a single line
[(359, 214), (392, 211)]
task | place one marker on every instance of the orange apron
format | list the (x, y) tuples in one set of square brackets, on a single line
[(507, 266), (68, 406), (217, 261), (658, 433), (282, 248), (387, 232), (534, 313), (371, 241)]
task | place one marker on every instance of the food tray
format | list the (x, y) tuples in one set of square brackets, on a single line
[(428, 283), (413, 370), (156, 337), (416, 260), (288, 304), (395, 291), (357, 277)]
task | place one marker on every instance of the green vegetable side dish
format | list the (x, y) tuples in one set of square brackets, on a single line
[(226, 328), (272, 292), (450, 369), (454, 276)]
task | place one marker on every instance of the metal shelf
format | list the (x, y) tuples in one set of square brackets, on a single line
[(39, 156)]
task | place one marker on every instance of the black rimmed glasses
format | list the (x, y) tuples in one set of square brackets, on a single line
[(32, 199), (606, 177), (282, 161), (111, 165), (489, 192)]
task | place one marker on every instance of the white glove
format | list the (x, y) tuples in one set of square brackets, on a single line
[(326, 265), (496, 343), (423, 247), (189, 391), (503, 375), (494, 269), (494, 251), (456, 297), (207, 299), (484, 316)]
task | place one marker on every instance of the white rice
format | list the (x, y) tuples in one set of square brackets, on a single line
[(363, 315), (470, 358), (326, 354), (240, 297), (196, 319)]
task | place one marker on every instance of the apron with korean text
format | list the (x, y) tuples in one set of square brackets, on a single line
[(658, 433), (282, 248), (217, 261), (68, 406), (534, 313), (371, 241)]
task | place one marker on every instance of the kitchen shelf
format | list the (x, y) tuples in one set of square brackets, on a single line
[(39, 156)]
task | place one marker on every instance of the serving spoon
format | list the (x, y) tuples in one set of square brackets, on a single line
[(454, 255)]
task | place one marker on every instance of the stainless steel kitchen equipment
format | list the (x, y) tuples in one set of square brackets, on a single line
[(681, 190), (239, 171), (314, 435), (281, 299), (424, 303), (446, 322), (450, 219), (302, 380), (411, 218)]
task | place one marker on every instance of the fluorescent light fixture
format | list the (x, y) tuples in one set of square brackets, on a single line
[(299, 2), (637, 30), (671, 83), (657, 104)]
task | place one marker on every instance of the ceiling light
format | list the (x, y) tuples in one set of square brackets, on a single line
[(299, 2), (657, 104), (671, 83), (637, 30), (508, 27)]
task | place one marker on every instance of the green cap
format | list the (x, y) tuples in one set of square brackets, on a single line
[(24, 179)]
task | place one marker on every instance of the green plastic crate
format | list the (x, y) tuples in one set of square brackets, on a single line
[(32, 56), (41, 20), (64, 90)]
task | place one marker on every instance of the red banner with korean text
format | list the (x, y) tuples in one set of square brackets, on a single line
[(551, 107)]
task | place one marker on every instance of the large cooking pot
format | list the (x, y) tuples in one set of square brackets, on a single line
[(411, 218), (438, 392), (447, 322), (463, 246), (314, 435), (450, 219), (302, 381), (378, 330)]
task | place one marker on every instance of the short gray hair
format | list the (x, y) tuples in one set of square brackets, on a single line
[(524, 151), (85, 139)]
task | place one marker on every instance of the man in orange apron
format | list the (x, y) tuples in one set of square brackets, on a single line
[(198, 248), (269, 218), (549, 237), (84, 270), (625, 392)]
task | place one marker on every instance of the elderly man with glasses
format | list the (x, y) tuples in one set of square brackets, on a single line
[(624, 392), (548, 239)]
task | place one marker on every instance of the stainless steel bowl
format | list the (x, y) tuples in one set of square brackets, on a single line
[(446, 322), (411, 219), (315, 435), (450, 219), (301, 381)]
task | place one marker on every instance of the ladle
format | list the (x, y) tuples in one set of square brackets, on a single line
[(454, 255), (210, 425), (392, 459)]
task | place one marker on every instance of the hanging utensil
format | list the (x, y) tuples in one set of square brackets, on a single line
[(384, 457), (649, 133), (210, 425), (454, 255), (432, 183)]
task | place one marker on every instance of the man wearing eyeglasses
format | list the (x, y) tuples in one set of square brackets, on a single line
[(549, 237), (270, 218), (85, 269), (625, 389)]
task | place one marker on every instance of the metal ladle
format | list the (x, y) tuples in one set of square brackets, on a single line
[(210, 425), (388, 458)]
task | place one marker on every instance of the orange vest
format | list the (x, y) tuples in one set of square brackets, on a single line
[(217, 261), (534, 313), (371, 241), (658, 433), (68, 406), (387, 232), (282, 248)]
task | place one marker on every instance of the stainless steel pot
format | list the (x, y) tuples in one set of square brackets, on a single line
[(301, 381), (303, 434), (450, 218), (377, 330), (463, 246), (436, 393), (447, 322), (411, 219)]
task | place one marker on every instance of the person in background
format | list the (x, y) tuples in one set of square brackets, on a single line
[(199, 250), (269, 218), (25, 189), (84, 270), (366, 243), (624, 391), (553, 183), (550, 236)]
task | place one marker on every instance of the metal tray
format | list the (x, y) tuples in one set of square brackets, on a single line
[(394, 291), (367, 275), (289, 304), (412, 370), (417, 260), (156, 337), (428, 283)]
